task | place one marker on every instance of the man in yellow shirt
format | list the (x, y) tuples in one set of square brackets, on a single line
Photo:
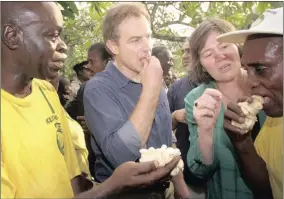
[(262, 161), (38, 159)]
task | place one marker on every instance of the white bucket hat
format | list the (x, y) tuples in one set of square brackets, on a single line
[(270, 22)]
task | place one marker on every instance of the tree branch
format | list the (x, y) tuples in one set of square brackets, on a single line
[(168, 37), (165, 24)]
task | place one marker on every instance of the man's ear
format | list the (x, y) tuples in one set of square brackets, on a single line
[(11, 36), (112, 47)]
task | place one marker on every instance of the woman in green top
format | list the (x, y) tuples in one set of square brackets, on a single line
[(216, 66)]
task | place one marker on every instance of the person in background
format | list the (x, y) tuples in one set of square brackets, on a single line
[(176, 94), (164, 55), (217, 67), (98, 57), (77, 134), (64, 91), (83, 74), (38, 158), (262, 160)]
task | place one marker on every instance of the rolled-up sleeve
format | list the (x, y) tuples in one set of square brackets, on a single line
[(115, 134), (194, 156)]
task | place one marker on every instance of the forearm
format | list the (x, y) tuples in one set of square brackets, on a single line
[(102, 191), (126, 140), (205, 143), (174, 121), (81, 184), (144, 113), (254, 168), (181, 189)]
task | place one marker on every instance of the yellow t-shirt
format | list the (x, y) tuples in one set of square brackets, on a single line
[(269, 144), (38, 159), (78, 139)]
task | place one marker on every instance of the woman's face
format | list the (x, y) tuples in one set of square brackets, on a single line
[(220, 60)]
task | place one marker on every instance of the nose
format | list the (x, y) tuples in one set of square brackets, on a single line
[(253, 80), (61, 47), (147, 45), (219, 55)]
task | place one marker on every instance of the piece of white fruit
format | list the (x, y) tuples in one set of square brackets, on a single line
[(162, 156), (250, 110)]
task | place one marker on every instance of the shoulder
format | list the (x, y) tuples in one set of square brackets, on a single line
[(101, 81), (44, 85)]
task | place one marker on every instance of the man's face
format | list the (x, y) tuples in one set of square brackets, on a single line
[(65, 92), (185, 54), (96, 63), (86, 72), (263, 58), (135, 43), (166, 60), (42, 48)]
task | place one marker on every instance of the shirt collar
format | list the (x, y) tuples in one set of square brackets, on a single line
[(117, 75)]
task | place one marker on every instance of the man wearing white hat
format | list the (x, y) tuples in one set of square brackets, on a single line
[(261, 162)]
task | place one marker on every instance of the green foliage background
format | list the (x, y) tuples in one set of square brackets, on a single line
[(83, 23)]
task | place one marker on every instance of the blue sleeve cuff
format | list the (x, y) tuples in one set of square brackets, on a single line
[(129, 136)]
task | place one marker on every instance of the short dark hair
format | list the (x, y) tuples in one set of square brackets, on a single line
[(117, 14), (101, 48), (158, 50), (78, 67)]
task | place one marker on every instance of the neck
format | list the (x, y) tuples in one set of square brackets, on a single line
[(136, 77), (233, 89), (16, 84), (81, 79)]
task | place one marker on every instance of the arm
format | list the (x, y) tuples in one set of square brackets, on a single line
[(114, 133), (253, 168), (251, 164), (143, 114), (130, 175), (102, 191), (201, 159), (171, 99)]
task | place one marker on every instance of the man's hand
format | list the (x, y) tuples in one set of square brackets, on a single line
[(82, 121), (131, 174), (235, 113), (152, 74), (180, 116), (180, 187)]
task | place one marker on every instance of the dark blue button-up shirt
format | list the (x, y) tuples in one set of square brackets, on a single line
[(109, 100)]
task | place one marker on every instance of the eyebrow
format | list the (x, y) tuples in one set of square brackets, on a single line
[(209, 49), (138, 37)]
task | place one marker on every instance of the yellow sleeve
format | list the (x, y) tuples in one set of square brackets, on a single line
[(8, 189), (69, 150), (259, 144)]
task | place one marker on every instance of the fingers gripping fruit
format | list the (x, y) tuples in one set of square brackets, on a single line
[(162, 156), (250, 110)]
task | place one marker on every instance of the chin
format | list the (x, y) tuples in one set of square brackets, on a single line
[(274, 113), (275, 110)]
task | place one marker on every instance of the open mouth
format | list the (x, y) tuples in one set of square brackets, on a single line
[(225, 67)]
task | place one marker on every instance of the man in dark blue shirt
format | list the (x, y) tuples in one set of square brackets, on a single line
[(126, 106)]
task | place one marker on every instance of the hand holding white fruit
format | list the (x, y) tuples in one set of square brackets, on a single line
[(250, 110), (162, 156), (240, 118)]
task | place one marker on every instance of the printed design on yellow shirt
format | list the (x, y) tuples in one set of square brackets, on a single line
[(54, 119)]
